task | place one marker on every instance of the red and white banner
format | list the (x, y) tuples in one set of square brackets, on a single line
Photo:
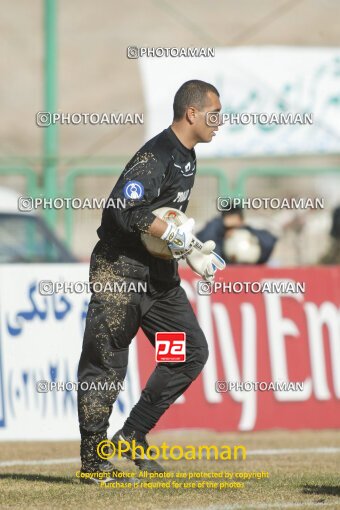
[(263, 337), (253, 337)]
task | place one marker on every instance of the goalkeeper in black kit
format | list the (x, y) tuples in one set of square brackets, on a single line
[(161, 174)]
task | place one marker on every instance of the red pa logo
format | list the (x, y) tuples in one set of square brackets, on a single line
[(170, 346)]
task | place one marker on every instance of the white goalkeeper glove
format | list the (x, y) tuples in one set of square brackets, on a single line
[(179, 239), (204, 261)]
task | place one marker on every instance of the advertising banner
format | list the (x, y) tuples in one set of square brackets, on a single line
[(286, 332), (274, 352), (40, 343)]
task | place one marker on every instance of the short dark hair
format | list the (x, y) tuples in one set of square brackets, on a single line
[(233, 209), (191, 93)]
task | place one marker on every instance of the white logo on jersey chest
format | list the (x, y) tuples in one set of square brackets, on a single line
[(187, 171)]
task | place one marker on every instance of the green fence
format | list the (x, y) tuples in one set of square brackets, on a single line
[(239, 188)]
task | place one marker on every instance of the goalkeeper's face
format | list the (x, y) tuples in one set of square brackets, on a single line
[(207, 120)]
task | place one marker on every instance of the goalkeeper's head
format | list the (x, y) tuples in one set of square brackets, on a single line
[(197, 109)]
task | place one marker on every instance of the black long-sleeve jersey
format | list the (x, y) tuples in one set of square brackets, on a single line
[(160, 174)]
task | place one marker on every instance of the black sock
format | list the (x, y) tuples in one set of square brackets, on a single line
[(129, 431), (143, 417)]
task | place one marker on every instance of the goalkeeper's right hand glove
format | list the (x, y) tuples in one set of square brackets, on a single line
[(180, 239)]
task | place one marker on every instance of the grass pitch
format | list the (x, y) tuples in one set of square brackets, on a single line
[(302, 474)]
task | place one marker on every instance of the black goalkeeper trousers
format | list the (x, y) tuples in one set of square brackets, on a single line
[(111, 324)]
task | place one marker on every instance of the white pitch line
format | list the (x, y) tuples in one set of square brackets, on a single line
[(283, 451), (73, 460), (50, 462), (260, 506)]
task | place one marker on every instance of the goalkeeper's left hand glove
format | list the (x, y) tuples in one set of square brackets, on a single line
[(204, 261)]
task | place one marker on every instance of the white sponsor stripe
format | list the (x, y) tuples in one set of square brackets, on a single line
[(72, 460), (121, 438)]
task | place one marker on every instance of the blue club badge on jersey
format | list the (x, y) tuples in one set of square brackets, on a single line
[(133, 190)]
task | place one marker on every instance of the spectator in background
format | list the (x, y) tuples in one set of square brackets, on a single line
[(333, 254), (237, 242)]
